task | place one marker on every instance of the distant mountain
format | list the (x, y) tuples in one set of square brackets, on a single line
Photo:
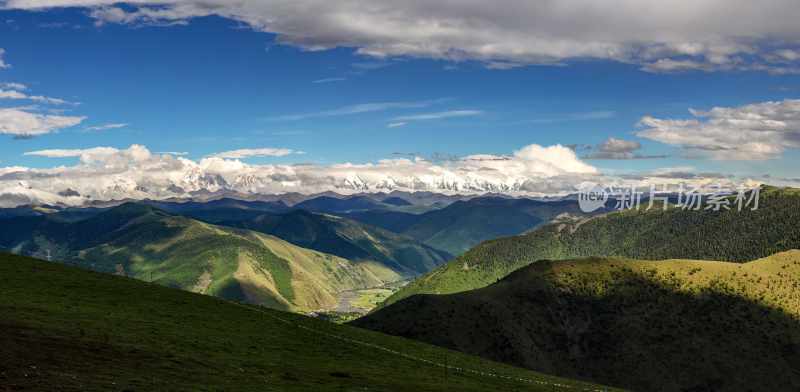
[(674, 325), (424, 198), (727, 235), (220, 209), (396, 201), (143, 242), (82, 331), (347, 238), (337, 205), (465, 223), (395, 221)]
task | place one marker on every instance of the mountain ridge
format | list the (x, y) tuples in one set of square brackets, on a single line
[(655, 234), (348, 239), (149, 244)]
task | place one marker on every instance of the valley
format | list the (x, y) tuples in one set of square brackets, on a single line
[(149, 244), (399, 196), (551, 289)]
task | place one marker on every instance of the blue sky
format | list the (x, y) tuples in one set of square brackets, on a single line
[(212, 84)]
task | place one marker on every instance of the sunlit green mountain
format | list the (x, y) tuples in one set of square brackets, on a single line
[(728, 235)]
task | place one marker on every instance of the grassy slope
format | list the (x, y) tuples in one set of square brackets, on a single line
[(655, 234), (349, 239), (68, 329), (674, 325), (148, 244)]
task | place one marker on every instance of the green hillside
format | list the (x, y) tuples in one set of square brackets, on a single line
[(149, 244), (69, 329), (348, 239), (675, 325), (654, 234)]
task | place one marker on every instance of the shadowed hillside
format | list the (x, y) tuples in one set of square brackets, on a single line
[(68, 329), (674, 325)]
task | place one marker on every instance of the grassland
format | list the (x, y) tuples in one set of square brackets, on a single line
[(673, 325), (68, 329)]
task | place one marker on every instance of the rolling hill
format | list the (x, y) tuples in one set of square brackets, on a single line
[(348, 239), (149, 244), (655, 234), (69, 329), (674, 325)]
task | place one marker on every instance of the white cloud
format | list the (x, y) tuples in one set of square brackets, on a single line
[(359, 109), (660, 36), (438, 115), (107, 173), (14, 86), (580, 116), (328, 80), (106, 127), (396, 124), (22, 123), (3, 64), (255, 152), (110, 173), (614, 148), (17, 94), (750, 132), (89, 153)]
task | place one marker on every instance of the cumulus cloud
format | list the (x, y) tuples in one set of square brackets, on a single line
[(21, 123), (751, 132), (614, 148), (3, 64), (657, 35), (255, 152), (107, 173), (110, 173), (105, 127)]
